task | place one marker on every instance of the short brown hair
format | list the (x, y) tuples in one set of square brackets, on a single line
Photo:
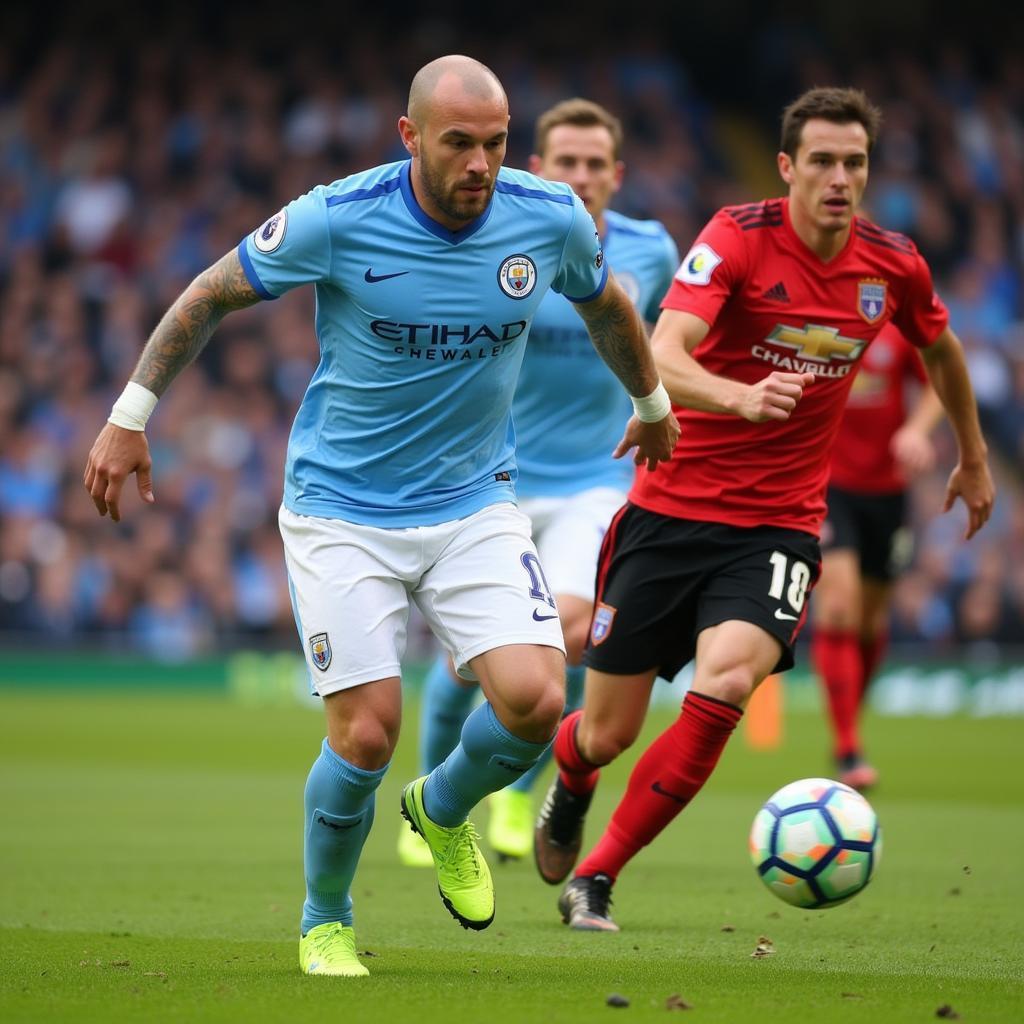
[(840, 106), (582, 114)]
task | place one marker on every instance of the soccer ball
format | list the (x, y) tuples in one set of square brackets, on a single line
[(815, 843)]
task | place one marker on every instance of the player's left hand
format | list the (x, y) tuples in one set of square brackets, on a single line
[(115, 455), (913, 450), (654, 442), (973, 483)]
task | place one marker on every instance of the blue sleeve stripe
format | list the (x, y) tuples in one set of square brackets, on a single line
[(533, 193), (250, 272), (598, 290), (382, 188)]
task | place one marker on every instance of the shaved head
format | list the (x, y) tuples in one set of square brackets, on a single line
[(452, 76), (456, 131)]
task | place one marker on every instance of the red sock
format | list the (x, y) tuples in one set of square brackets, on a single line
[(837, 657), (871, 654), (667, 777), (578, 775)]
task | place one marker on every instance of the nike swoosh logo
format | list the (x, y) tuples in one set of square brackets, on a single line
[(371, 278), (656, 786), (780, 614), (543, 618)]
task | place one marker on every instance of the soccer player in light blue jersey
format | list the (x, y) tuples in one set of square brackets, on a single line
[(400, 472), (567, 411)]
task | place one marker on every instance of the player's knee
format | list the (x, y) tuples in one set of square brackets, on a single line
[(602, 743), (547, 710), (733, 684), (535, 708), (837, 615), (370, 742)]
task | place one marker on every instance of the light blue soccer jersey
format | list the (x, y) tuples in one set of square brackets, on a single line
[(406, 421), (570, 410)]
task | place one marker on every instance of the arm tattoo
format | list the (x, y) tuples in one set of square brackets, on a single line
[(617, 333), (186, 327)]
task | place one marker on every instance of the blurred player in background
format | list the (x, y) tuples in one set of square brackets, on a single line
[(567, 411), (865, 540), (714, 555), (399, 477)]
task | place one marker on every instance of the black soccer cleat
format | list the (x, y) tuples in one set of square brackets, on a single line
[(558, 835), (585, 904)]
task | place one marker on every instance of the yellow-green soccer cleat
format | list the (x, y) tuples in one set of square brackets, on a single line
[(510, 831), (463, 878), (413, 851), (330, 949)]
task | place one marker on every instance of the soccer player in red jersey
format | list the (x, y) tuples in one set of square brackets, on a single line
[(864, 539), (713, 555)]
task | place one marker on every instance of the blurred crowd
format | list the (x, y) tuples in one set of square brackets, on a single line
[(125, 172)]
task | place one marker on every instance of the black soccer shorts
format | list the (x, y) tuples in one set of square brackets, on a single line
[(874, 526), (661, 581)]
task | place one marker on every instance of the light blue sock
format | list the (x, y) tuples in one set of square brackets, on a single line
[(573, 699), (339, 812), (443, 710), (487, 759)]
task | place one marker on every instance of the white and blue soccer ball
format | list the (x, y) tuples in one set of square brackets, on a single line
[(815, 843)]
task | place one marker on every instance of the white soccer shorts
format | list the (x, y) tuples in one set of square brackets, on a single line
[(568, 533), (477, 581)]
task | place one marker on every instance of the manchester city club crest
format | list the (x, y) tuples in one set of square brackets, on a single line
[(517, 276), (604, 616), (871, 295), (320, 649)]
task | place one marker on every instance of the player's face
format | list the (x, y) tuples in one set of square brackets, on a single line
[(457, 153), (584, 158), (828, 175)]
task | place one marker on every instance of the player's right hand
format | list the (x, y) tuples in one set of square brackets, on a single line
[(654, 442), (115, 455), (775, 397)]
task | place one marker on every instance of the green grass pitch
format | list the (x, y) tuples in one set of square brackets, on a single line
[(150, 870)]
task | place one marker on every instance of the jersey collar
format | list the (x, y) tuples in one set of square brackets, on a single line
[(445, 234)]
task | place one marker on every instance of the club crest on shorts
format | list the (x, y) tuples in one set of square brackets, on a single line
[(871, 295), (604, 616), (517, 276), (271, 234), (320, 649)]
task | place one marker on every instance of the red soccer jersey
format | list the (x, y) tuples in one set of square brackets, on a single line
[(862, 461), (774, 305)]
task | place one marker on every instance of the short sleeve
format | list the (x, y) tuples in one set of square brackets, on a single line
[(583, 272), (666, 270), (921, 316), (290, 249), (710, 271)]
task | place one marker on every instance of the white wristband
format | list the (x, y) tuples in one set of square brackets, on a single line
[(133, 408), (656, 406)]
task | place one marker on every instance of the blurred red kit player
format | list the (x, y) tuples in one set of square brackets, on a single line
[(714, 554), (865, 540)]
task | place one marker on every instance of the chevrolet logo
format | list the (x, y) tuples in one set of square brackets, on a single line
[(816, 342)]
